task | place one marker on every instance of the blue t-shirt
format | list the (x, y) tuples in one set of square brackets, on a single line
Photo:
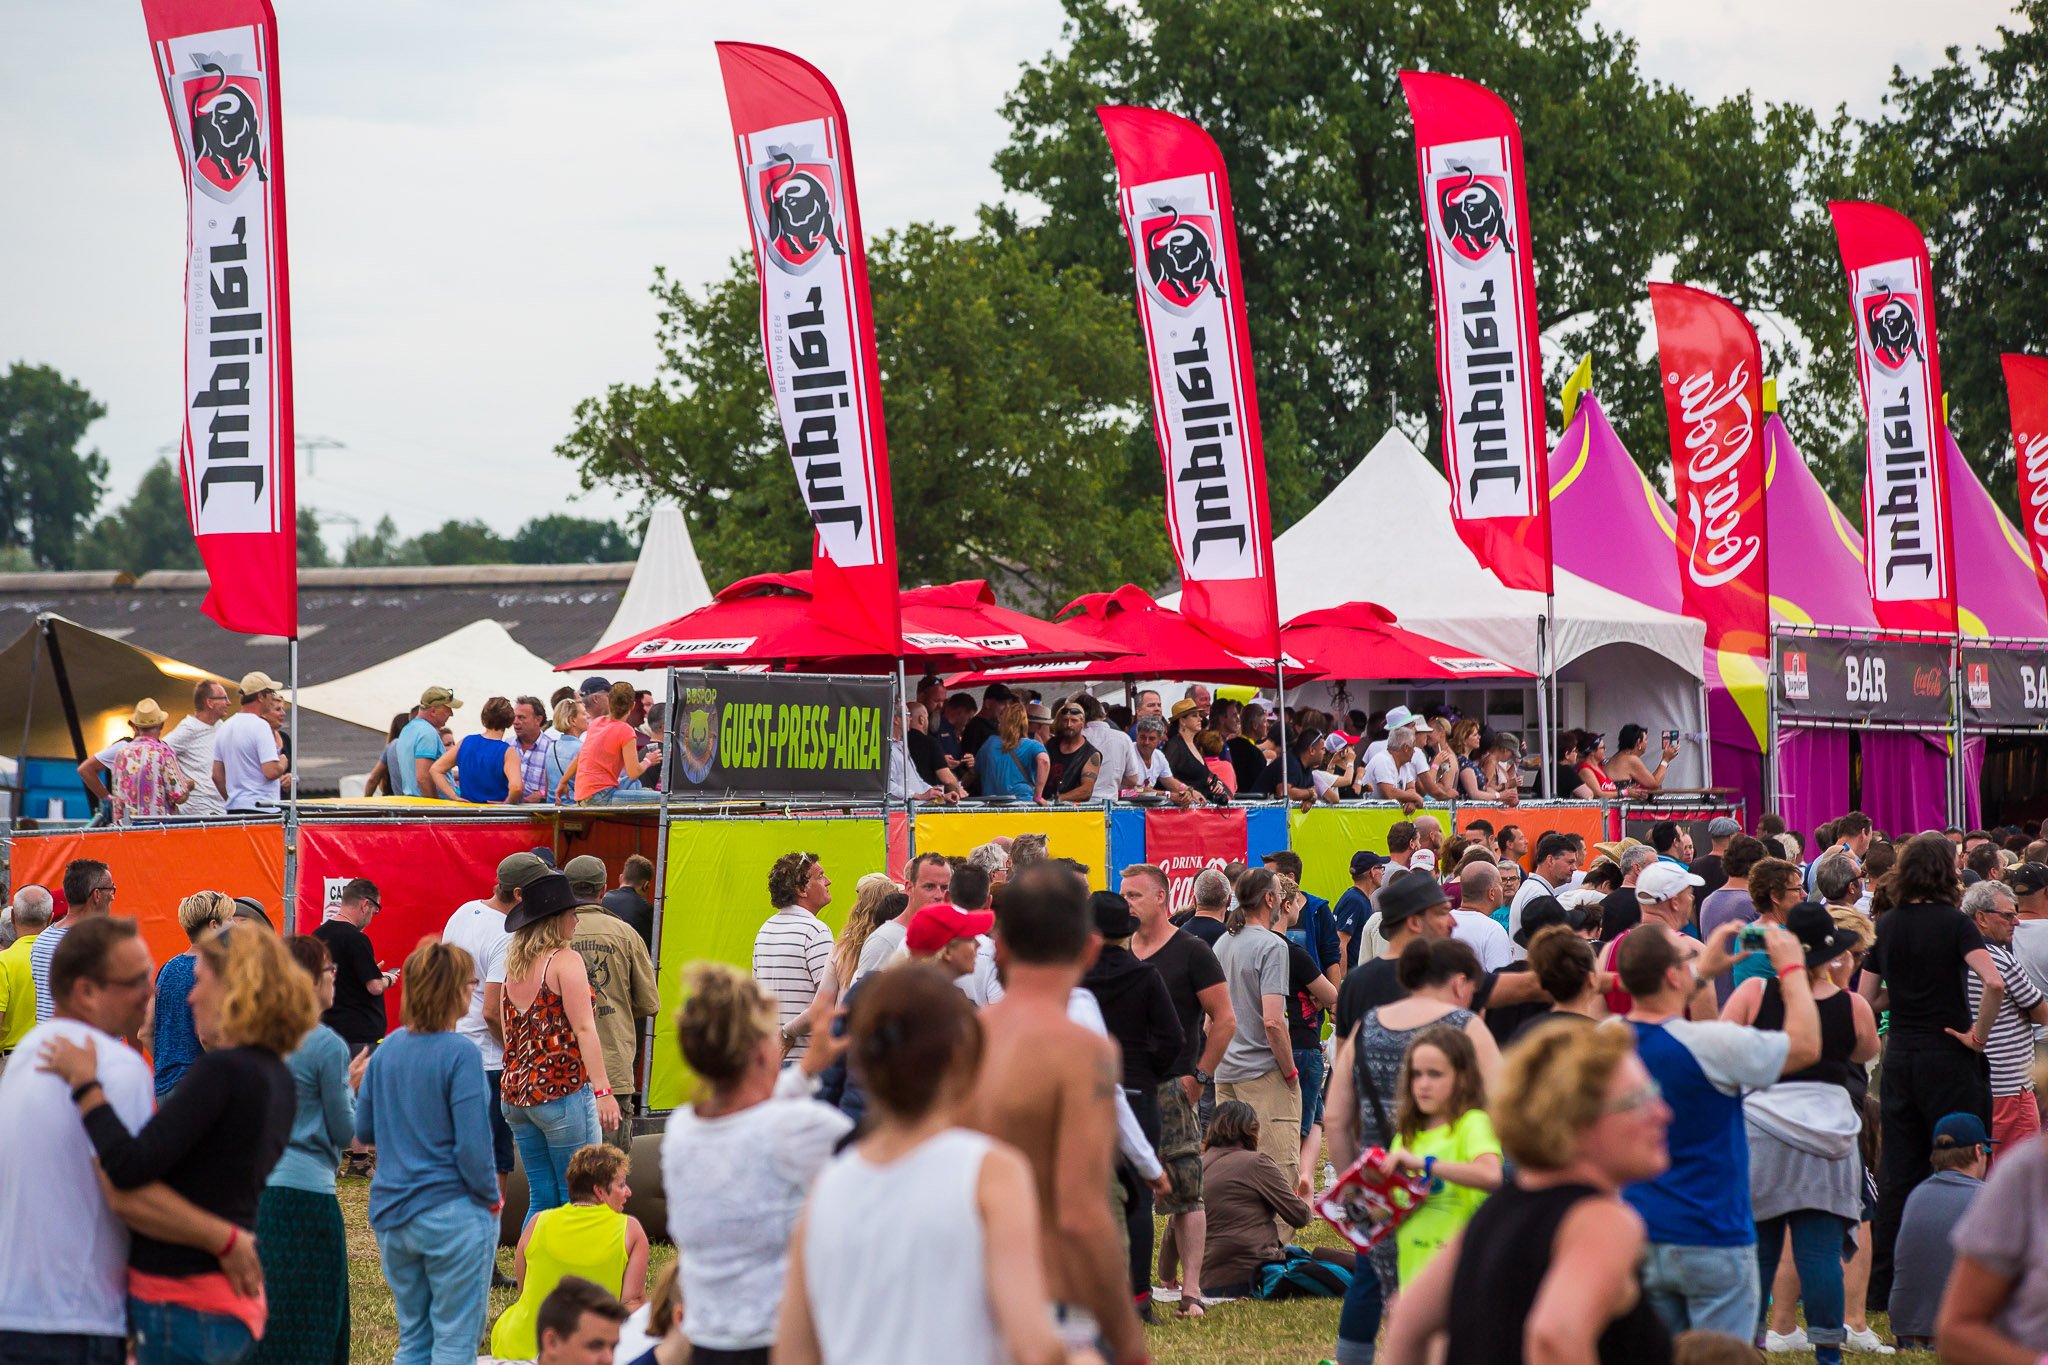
[(1008, 774), (419, 739), (480, 769), (1315, 933), (174, 1042), (1352, 910), (425, 1107), (1702, 1200), (564, 749)]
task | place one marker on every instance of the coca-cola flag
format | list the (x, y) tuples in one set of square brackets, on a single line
[(1468, 153), (1174, 198), (216, 61), (2026, 393), (817, 328), (1909, 555), (1713, 398)]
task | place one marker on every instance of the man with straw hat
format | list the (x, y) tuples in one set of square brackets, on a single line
[(146, 776)]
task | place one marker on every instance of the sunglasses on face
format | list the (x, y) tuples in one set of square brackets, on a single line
[(1648, 1093)]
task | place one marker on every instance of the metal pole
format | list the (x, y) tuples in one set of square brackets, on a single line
[(28, 714), (1958, 770), (291, 807), (1549, 749), (668, 691), (909, 804), (1706, 738), (1770, 793), (64, 694), (1280, 713)]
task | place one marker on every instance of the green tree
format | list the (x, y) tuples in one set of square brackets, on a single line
[(561, 539), (456, 542), (48, 489), (313, 553), (149, 531), (377, 548), (1015, 403)]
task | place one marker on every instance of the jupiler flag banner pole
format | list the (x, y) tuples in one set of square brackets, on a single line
[(1712, 374), (817, 329), (216, 61), (1173, 196), (1909, 552), (2026, 392)]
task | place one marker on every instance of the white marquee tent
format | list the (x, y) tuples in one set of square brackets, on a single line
[(478, 661), (667, 582), (1385, 535)]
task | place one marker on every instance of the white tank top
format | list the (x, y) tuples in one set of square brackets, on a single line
[(893, 1258)]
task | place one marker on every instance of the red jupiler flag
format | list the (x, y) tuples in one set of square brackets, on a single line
[(1174, 197), (817, 328), (2026, 393), (1908, 547), (216, 61), (1468, 154)]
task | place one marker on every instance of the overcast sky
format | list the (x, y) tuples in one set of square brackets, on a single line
[(479, 194)]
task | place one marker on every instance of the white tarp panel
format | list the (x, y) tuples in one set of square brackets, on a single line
[(667, 582), (480, 660), (1627, 684)]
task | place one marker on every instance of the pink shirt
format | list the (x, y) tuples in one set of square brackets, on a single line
[(601, 762)]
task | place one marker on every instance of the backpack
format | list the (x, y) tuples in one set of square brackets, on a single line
[(1301, 1276)]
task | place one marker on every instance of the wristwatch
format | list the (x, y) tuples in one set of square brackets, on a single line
[(1203, 1078)]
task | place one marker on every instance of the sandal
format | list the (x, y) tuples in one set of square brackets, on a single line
[(1190, 1308)]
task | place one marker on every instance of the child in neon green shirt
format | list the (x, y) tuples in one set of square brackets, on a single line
[(1443, 1133)]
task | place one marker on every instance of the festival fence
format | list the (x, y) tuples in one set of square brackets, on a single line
[(1080, 833)]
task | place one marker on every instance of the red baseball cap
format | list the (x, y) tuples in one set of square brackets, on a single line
[(937, 925)]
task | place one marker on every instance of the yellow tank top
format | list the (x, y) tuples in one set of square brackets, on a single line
[(587, 1240)]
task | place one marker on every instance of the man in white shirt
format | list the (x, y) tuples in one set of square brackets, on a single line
[(2029, 882), (794, 948), (192, 740), (63, 1250), (1479, 895), (1397, 717), (931, 875), (478, 928), (1390, 774), (1555, 860), (1119, 770), (248, 766)]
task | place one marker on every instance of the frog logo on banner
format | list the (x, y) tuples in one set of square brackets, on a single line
[(696, 732)]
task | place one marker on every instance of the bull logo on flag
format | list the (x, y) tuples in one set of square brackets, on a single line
[(1891, 321), (224, 112), (796, 206), (1472, 214), (1182, 259)]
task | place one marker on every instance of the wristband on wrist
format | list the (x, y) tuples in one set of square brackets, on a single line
[(1791, 969), (234, 1236), (80, 1092), (603, 1094), (1429, 1168)]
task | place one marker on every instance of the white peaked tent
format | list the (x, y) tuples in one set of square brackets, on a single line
[(1385, 535), (667, 582), (478, 661)]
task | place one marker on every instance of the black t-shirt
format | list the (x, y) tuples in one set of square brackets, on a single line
[(1065, 770), (1189, 967), (1505, 1021), (1210, 931), (977, 731), (1304, 1015), (1366, 987), (1269, 780), (356, 1015), (1247, 758), (1919, 953), (1709, 870), (1620, 912), (925, 756), (634, 909)]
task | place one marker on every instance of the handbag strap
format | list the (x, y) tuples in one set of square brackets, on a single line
[(1369, 1087)]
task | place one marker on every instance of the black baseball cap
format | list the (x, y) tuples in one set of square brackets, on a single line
[(1543, 911), (593, 684), (2028, 878), (1114, 917), (1409, 895), (1365, 860)]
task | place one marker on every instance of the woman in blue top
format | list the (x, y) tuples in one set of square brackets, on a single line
[(434, 1201), (299, 1233), (486, 766), (1774, 888), (1009, 763), (174, 1041)]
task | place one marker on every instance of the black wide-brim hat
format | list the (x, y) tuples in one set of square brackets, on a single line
[(1817, 932), (541, 898)]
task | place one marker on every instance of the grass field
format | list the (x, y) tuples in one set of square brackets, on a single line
[(1303, 1330)]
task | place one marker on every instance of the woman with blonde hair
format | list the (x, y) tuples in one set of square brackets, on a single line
[(1010, 762), (434, 1200), (214, 1141), (1546, 1269), (755, 1124), (591, 1237), (871, 896), (611, 750), (554, 1091), (560, 767), (173, 1042)]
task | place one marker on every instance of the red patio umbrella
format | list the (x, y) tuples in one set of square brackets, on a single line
[(767, 619), (1360, 640), (1158, 642)]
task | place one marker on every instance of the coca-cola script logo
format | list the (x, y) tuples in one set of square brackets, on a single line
[(1927, 681), (1720, 480), (1891, 320), (2032, 452)]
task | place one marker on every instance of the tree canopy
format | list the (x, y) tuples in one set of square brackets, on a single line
[(48, 487)]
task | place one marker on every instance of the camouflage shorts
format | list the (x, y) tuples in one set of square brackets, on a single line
[(1180, 1150)]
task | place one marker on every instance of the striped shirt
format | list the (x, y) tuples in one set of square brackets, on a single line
[(533, 764), (2011, 1048), (39, 954), (790, 954)]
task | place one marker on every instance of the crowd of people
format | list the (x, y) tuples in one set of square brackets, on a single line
[(1653, 1101)]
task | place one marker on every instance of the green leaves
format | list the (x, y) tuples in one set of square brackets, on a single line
[(48, 489)]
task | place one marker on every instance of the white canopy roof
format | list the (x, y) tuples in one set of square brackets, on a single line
[(1385, 535), (667, 582), (480, 660)]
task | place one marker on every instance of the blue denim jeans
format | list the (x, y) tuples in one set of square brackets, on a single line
[(439, 1268), (547, 1135), (1817, 1255), (1358, 1324), (172, 1334), (1309, 1061), (1707, 1289)]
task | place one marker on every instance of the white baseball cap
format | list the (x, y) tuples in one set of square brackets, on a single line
[(1662, 881)]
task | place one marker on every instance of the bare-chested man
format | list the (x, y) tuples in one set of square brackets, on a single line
[(1048, 1088)]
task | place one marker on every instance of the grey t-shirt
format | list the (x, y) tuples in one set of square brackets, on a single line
[(1923, 1258), (1254, 966), (1729, 903), (2005, 1232)]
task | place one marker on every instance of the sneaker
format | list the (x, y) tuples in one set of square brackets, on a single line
[(1794, 1340), (1869, 1342)]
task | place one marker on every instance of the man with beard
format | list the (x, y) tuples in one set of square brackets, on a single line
[(1075, 761)]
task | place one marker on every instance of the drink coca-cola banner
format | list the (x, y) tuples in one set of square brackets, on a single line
[(1468, 152), (2026, 393), (1825, 678), (216, 61), (1174, 197), (796, 177), (1909, 556), (1713, 398)]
